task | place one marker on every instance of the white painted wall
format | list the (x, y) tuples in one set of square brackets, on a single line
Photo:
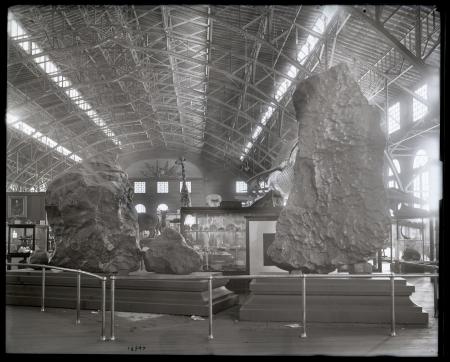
[(256, 230)]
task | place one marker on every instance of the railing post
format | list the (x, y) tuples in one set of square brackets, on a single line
[(210, 307), (103, 337), (303, 335), (43, 291), (435, 295), (113, 296), (78, 296), (392, 305)]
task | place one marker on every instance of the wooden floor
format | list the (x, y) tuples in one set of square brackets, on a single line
[(28, 330)]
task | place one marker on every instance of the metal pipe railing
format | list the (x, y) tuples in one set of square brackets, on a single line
[(211, 277), (392, 305), (78, 296), (113, 305), (436, 296), (286, 276), (210, 307), (78, 272), (103, 336), (43, 291), (303, 335)]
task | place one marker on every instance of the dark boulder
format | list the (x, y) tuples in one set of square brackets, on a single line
[(95, 224), (169, 253)]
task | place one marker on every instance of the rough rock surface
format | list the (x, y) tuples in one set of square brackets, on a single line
[(337, 209), (410, 254), (360, 268), (39, 257), (169, 253), (95, 224)]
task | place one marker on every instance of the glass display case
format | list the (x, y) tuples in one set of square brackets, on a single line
[(219, 235), (21, 242), (21, 238)]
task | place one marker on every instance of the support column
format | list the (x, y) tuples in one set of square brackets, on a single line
[(431, 239)]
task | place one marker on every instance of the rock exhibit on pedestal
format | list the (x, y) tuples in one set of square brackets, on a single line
[(169, 253), (93, 219), (337, 211)]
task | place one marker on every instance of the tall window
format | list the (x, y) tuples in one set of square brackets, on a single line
[(392, 183), (394, 118), (421, 187), (397, 167), (188, 185), (420, 109), (162, 187), (241, 187), (139, 187), (140, 208)]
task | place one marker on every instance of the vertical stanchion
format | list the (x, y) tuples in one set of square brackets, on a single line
[(43, 291), (103, 337), (210, 307), (303, 335), (78, 296), (436, 296), (392, 305), (113, 296)]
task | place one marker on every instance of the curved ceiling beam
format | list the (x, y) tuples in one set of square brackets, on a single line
[(218, 70), (195, 61), (186, 110), (33, 163), (245, 34), (184, 145), (138, 142), (213, 99), (197, 159)]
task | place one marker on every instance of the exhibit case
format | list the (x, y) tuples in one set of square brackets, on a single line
[(21, 238), (220, 235), (21, 242)]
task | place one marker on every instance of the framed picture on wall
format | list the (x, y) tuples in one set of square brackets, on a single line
[(17, 206)]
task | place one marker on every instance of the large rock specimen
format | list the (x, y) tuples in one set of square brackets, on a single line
[(95, 224), (337, 211), (169, 253)]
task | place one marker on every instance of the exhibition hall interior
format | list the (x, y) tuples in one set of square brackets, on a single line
[(223, 179)]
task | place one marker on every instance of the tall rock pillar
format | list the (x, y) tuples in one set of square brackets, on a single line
[(337, 209)]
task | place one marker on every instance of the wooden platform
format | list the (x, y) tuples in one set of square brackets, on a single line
[(141, 292), (332, 301)]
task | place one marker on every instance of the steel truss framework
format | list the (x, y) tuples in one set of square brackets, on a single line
[(197, 79)]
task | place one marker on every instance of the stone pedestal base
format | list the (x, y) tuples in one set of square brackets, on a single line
[(332, 301), (138, 292)]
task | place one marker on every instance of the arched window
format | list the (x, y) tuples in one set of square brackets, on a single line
[(162, 207), (421, 187), (420, 159), (140, 208)]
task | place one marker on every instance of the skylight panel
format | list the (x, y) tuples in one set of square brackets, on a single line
[(23, 127), (18, 34), (256, 132), (311, 41), (30, 131), (48, 142)]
